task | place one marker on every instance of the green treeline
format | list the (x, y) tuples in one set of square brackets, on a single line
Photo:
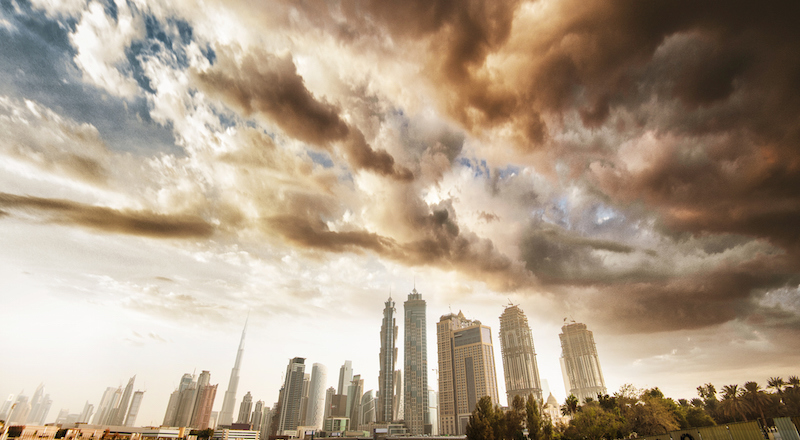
[(632, 412)]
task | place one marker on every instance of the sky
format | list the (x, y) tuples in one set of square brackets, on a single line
[(169, 167)]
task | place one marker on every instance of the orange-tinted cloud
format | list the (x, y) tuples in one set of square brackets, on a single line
[(142, 223)]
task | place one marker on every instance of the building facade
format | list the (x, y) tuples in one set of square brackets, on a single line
[(384, 411), (315, 410), (580, 365), (466, 370), (292, 395), (519, 357), (415, 366), (345, 376)]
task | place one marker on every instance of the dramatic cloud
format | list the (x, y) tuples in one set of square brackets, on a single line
[(633, 165), (269, 85), (144, 223)]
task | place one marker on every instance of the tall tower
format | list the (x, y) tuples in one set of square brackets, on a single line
[(345, 376), (354, 394), (206, 393), (245, 408), (122, 408), (292, 395), (229, 401), (519, 357), (315, 411), (105, 406), (466, 370), (86, 414), (133, 410), (388, 360), (415, 393), (580, 365)]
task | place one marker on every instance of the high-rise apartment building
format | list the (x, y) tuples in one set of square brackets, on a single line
[(388, 360), (415, 366), (292, 395), (519, 356), (229, 400), (580, 365), (315, 410), (466, 370)]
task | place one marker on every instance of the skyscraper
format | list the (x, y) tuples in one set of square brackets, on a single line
[(415, 395), (204, 402), (519, 357), (345, 376), (388, 360), (329, 393), (105, 406), (304, 399), (367, 410), (466, 370), (133, 409), (245, 408), (202, 382), (292, 395), (118, 419), (398, 395), (580, 365), (229, 401), (88, 409), (354, 394), (186, 406), (315, 410), (258, 413)]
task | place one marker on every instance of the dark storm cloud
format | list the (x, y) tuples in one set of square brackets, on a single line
[(699, 300), (556, 255), (443, 245), (36, 62), (269, 85), (142, 222)]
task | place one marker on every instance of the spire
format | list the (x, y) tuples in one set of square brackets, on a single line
[(229, 401)]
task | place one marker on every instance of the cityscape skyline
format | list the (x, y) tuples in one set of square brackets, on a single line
[(169, 167), (577, 347)]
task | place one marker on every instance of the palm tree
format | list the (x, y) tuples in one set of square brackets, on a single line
[(732, 402), (757, 398), (570, 406), (777, 384)]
